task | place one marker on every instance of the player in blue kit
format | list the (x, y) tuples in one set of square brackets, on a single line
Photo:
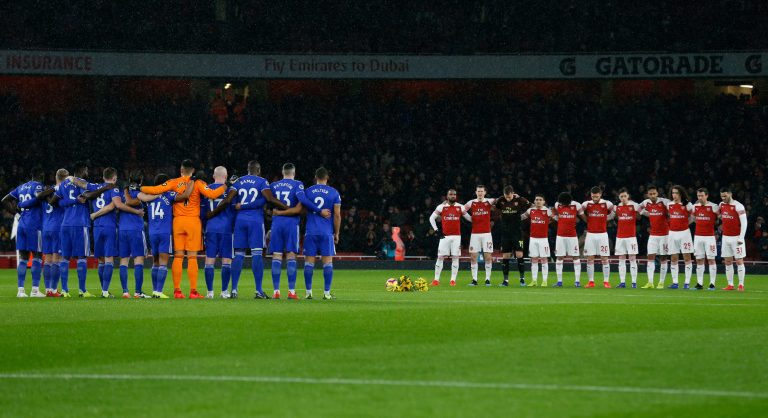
[(52, 217), (220, 219), (322, 234), (104, 217), (253, 193), (72, 195), (284, 236), (161, 231), (132, 241), (27, 199)]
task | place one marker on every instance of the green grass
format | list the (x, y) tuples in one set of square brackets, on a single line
[(447, 352)]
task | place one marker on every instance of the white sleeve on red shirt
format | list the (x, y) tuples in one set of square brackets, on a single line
[(491, 200), (609, 204), (715, 208), (439, 209), (468, 205), (433, 220), (689, 207), (579, 207), (643, 203), (550, 213), (526, 214)]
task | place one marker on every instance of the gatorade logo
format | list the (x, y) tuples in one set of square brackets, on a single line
[(754, 64), (568, 66)]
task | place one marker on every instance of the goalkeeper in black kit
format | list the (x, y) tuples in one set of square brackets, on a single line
[(510, 207)]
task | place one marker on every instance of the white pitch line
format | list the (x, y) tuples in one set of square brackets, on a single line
[(385, 382)]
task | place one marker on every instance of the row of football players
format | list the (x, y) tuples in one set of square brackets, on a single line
[(55, 225), (670, 236)]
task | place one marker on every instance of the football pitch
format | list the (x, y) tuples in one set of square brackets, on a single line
[(447, 352)]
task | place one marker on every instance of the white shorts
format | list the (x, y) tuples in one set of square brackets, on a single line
[(626, 246), (704, 246), (538, 247), (658, 244), (566, 246), (449, 246), (732, 248), (597, 244), (481, 243), (680, 242)]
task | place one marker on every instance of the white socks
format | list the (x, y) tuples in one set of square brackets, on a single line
[(663, 272), (622, 270), (544, 272), (577, 269), (674, 272), (700, 274), (742, 272), (650, 269), (712, 273), (688, 272), (729, 274), (633, 270), (591, 271), (473, 268), (534, 271), (488, 267), (438, 268), (606, 271), (454, 268), (559, 270)]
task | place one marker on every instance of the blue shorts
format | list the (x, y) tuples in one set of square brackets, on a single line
[(319, 244), (52, 242), (75, 241), (284, 238), (132, 244), (161, 244), (104, 241), (29, 239), (218, 245), (249, 234)]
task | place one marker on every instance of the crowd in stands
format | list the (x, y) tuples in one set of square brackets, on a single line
[(393, 160), (415, 26)]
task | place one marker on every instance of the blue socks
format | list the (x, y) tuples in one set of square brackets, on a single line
[(64, 274), (291, 271), (162, 273), (124, 278), (237, 268), (101, 275), (47, 278), (107, 276), (328, 276), (82, 271), (226, 272), (257, 267), (21, 272), (309, 270), (277, 266), (154, 278), (209, 277), (37, 269), (138, 276)]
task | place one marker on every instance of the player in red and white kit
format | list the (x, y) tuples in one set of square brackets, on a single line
[(626, 237), (680, 211), (596, 212), (480, 240), (449, 214), (655, 208), (734, 219), (538, 243), (566, 213), (704, 244)]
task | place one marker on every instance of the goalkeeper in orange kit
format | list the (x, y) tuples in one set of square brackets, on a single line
[(187, 227)]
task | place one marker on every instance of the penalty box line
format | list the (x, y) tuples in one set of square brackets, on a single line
[(385, 382)]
